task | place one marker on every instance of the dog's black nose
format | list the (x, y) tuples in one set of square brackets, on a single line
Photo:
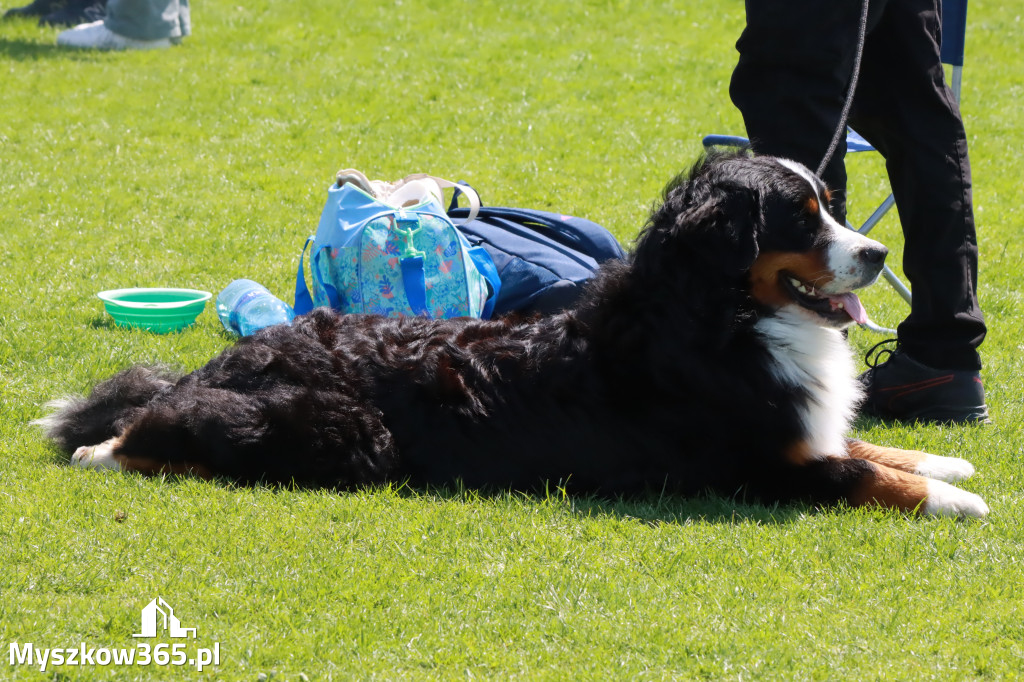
[(873, 255)]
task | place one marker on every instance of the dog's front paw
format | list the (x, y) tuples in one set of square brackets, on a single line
[(945, 500), (96, 456), (944, 468)]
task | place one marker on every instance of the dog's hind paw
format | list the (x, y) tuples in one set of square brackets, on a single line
[(944, 468), (945, 500), (96, 456)]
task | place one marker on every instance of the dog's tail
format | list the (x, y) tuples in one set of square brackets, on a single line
[(110, 407)]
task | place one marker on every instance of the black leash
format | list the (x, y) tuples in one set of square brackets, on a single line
[(841, 128)]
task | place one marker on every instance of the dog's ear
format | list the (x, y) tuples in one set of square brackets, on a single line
[(705, 225), (722, 232)]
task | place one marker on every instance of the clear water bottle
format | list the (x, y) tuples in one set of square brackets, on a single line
[(245, 306)]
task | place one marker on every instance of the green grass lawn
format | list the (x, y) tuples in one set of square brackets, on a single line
[(207, 162)]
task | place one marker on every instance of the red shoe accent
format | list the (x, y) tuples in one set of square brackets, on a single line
[(907, 389)]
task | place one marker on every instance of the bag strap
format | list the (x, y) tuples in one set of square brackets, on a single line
[(573, 235), (414, 279), (578, 234), (459, 187), (354, 177), (303, 299), (486, 267)]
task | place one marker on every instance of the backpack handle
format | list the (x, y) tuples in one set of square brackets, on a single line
[(381, 190), (471, 195)]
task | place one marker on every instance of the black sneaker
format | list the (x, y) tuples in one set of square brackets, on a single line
[(38, 8), (76, 12), (902, 389)]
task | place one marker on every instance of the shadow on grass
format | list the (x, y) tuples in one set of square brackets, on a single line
[(706, 509), (29, 50), (104, 322), (648, 508), (108, 323)]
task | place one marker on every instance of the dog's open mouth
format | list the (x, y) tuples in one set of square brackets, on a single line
[(834, 307)]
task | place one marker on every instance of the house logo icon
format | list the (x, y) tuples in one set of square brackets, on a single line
[(166, 620)]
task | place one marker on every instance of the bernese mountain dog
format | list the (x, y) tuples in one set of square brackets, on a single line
[(713, 360)]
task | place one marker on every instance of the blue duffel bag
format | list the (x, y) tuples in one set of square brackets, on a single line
[(542, 258), (386, 256)]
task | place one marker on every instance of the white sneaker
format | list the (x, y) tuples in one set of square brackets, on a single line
[(98, 37)]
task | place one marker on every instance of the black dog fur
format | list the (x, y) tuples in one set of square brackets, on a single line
[(656, 380)]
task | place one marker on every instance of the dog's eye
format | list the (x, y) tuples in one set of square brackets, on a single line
[(808, 223)]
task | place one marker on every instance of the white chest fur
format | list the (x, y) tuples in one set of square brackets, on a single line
[(818, 360)]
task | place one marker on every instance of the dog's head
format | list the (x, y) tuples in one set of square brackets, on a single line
[(756, 231)]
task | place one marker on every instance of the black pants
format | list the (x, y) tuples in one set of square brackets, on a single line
[(796, 60)]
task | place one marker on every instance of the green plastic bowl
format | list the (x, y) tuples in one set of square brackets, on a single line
[(158, 310)]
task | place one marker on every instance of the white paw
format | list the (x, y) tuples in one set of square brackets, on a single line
[(944, 468), (96, 456), (945, 500)]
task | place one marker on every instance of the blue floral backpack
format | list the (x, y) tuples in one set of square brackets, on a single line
[(390, 249)]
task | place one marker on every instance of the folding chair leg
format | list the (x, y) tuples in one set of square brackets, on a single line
[(896, 283), (877, 328), (874, 217)]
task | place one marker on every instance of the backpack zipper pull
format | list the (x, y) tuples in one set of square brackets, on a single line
[(407, 226)]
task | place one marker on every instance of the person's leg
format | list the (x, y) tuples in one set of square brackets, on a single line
[(36, 8), (148, 19), (904, 108), (184, 19), (75, 12), (796, 61), (133, 24)]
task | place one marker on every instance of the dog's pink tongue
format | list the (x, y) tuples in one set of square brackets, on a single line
[(852, 305)]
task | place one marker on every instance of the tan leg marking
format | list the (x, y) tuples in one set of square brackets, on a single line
[(901, 490), (912, 461), (904, 460), (891, 488), (799, 453)]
